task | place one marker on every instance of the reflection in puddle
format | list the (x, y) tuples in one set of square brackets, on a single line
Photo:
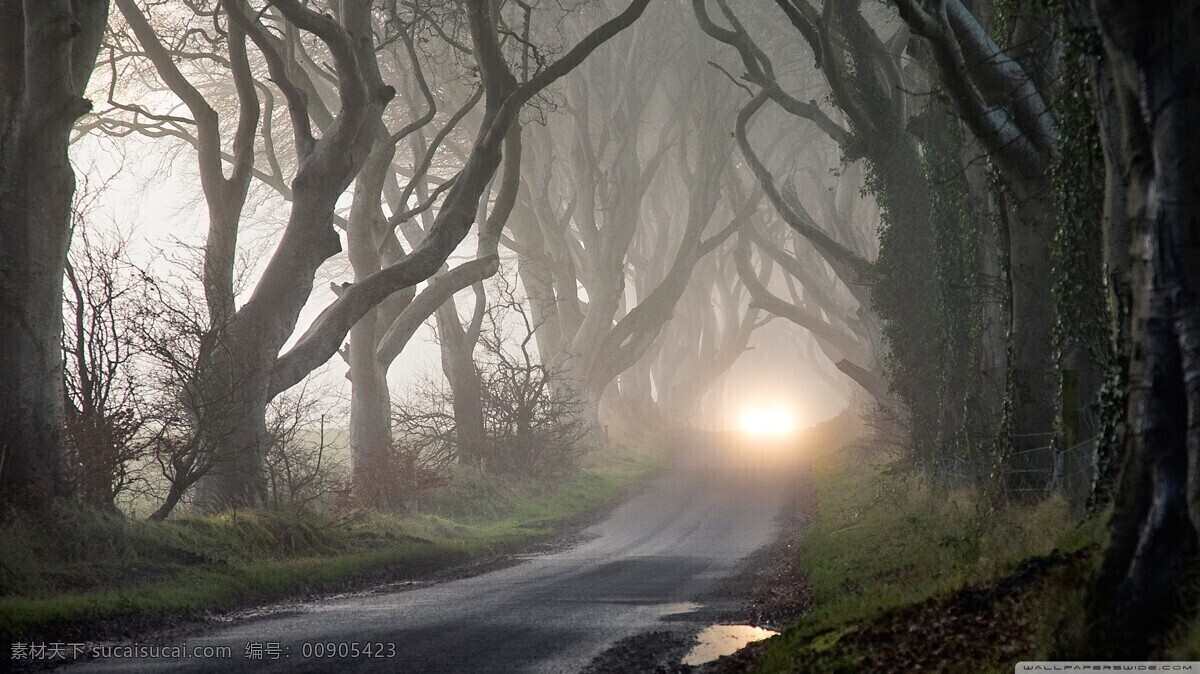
[(718, 640)]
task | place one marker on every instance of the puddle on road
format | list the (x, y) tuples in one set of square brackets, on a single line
[(718, 640)]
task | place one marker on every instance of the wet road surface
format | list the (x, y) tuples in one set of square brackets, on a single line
[(658, 556)]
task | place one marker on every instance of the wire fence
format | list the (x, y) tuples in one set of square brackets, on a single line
[(1070, 469)]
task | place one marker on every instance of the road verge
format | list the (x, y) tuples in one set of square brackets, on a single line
[(82, 575), (905, 578)]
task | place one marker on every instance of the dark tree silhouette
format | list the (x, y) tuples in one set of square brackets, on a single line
[(1153, 64), (46, 61)]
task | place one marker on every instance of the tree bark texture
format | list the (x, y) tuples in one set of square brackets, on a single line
[(1150, 559), (45, 63)]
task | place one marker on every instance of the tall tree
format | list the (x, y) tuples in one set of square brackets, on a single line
[(243, 367), (1152, 64), (863, 74), (45, 64), (1002, 97), (711, 328), (934, 282), (645, 136)]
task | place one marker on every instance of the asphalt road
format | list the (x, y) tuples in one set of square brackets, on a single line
[(657, 556)]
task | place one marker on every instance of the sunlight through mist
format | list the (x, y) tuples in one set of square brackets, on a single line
[(768, 421)]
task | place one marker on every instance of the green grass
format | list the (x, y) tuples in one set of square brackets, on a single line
[(72, 567), (883, 543)]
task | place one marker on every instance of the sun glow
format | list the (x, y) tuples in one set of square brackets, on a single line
[(768, 421)]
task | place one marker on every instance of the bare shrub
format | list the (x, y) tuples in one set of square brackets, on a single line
[(303, 467), (103, 450), (177, 343), (105, 412), (393, 479), (532, 418), (889, 430), (423, 423)]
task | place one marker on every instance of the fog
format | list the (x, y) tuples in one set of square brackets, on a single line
[(627, 162), (409, 283)]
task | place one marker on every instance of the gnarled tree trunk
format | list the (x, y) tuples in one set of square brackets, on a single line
[(45, 63), (1150, 560)]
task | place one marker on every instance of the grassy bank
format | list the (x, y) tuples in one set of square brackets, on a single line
[(908, 580), (73, 571)]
